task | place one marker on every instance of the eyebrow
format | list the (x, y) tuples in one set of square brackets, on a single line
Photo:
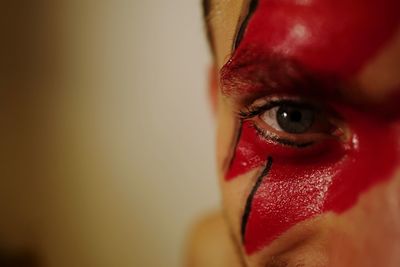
[(252, 75)]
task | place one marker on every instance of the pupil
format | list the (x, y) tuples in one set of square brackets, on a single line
[(294, 119), (295, 116)]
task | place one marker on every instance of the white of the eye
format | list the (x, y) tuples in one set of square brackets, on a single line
[(270, 117)]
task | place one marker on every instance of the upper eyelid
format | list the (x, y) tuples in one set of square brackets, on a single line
[(251, 111)]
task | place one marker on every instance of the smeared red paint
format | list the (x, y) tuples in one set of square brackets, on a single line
[(333, 37)]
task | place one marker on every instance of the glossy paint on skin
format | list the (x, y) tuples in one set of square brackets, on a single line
[(304, 182), (328, 36), (333, 38)]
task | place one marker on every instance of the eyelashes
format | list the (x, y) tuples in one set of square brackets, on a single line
[(254, 110), (288, 122), (282, 141)]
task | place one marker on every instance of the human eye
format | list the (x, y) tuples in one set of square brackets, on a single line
[(294, 121)]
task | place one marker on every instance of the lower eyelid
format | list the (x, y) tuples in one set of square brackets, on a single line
[(280, 140)]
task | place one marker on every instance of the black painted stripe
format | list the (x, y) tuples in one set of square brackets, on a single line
[(235, 143), (249, 202), (239, 36)]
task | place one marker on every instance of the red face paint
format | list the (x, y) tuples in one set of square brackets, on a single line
[(334, 38), (304, 182), (331, 36)]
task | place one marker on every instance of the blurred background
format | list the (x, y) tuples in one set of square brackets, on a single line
[(106, 139)]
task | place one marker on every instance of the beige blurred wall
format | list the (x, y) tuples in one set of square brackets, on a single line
[(113, 138)]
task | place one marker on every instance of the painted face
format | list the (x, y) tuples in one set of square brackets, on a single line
[(314, 123)]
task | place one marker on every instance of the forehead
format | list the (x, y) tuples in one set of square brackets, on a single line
[(325, 35), (223, 17), (301, 22), (335, 37)]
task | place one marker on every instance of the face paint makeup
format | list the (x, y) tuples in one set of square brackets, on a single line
[(304, 182), (329, 37)]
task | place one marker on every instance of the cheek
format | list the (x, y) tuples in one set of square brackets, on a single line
[(298, 183)]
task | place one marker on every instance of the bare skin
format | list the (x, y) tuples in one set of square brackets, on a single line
[(210, 244)]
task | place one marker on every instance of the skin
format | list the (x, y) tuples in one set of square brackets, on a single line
[(326, 198)]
